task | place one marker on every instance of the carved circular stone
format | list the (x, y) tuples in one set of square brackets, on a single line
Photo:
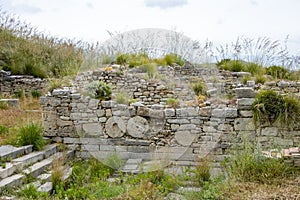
[(115, 127), (184, 138), (137, 127)]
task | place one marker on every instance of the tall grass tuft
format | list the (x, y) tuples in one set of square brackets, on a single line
[(31, 134)]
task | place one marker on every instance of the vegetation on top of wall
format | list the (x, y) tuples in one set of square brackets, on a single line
[(24, 50), (270, 107), (140, 59)]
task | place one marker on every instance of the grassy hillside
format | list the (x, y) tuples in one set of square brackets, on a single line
[(24, 50)]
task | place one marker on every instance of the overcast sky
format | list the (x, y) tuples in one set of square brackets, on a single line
[(216, 20)]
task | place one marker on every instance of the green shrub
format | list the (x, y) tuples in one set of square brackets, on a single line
[(20, 94), (249, 165), (31, 134), (224, 64), (268, 107), (231, 65), (99, 90), (199, 88), (277, 72), (114, 161), (122, 59)]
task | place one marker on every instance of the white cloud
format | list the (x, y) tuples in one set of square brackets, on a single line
[(164, 4)]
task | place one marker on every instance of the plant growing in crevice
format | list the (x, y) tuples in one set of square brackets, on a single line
[(199, 88), (99, 90), (31, 134)]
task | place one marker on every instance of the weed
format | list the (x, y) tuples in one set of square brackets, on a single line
[(203, 170), (36, 93), (255, 69), (30, 192), (172, 59), (199, 88), (277, 72), (121, 98), (246, 79), (260, 79), (99, 90), (268, 107), (291, 115), (173, 103), (250, 165), (3, 105), (114, 161), (3, 129), (57, 172), (30, 134), (150, 69)]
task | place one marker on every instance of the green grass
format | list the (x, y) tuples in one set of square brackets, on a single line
[(31, 134), (99, 90)]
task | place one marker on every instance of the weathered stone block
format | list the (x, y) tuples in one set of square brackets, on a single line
[(156, 114), (178, 121), (245, 113), (244, 92), (269, 131), (244, 124), (187, 127), (245, 103), (169, 112), (92, 129)]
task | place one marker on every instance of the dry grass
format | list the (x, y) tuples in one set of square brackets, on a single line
[(287, 189), (29, 111)]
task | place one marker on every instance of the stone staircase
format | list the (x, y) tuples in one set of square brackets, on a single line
[(21, 166)]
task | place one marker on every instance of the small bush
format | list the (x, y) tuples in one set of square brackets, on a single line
[(268, 107), (99, 90), (199, 88), (31, 135), (114, 161)]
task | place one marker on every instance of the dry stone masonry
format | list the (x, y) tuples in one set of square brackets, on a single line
[(148, 129)]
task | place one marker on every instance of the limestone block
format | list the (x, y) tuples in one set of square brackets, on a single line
[(92, 129), (245, 103), (245, 92), (244, 124), (169, 112), (156, 114), (93, 104), (205, 111), (269, 131), (187, 127), (245, 113), (178, 121), (115, 127), (137, 127)]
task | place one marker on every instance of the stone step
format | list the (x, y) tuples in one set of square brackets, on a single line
[(11, 152), (38, 168), (132, 166), (14, 180), (29, 159)]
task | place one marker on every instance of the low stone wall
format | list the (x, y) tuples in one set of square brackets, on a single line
[(182, 135), (13, 84)]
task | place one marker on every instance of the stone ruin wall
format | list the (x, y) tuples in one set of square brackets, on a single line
[(10, 85), (150, 130)]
